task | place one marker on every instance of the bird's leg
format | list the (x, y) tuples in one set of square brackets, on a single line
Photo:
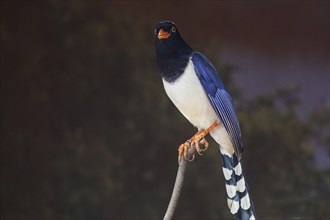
[(196, 140)]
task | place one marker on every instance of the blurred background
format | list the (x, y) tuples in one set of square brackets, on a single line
[(87, 131)]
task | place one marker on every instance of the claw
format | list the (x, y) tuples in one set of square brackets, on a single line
[(204, 147), (197, 140), (183, 151)]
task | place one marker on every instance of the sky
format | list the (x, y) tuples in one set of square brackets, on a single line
[(291, 49)]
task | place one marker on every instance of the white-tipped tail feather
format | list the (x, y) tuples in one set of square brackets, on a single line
[(241, 185), (233, 205), (245, 202), (231, 191), (238, 199), (227, 173)]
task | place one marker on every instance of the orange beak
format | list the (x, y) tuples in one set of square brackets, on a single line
[(163, 34)]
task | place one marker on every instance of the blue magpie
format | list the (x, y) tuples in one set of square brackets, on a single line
[(193, 85)]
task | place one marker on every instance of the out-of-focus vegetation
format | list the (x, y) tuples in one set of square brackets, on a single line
[(87, 131)]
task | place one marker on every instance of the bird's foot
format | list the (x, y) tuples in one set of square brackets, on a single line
[(198, 140), (183, 148), (201, 145)]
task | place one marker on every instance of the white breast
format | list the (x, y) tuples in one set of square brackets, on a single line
[(189, 97)]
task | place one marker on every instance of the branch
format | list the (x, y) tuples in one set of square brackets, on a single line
[(178, 183)]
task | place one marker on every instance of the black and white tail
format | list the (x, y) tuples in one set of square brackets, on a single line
[(238, 197)]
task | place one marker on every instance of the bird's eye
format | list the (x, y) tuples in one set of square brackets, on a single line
[(155, 31), (173, 29)]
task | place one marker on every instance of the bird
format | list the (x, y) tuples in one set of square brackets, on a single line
[(193, 85)]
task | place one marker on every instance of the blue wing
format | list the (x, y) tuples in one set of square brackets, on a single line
[(219, 98)]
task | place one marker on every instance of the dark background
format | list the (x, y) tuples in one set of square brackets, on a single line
[(87, 131)]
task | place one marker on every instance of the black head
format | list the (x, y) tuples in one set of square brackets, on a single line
[(165, 30), (172, 51), (168, 41)]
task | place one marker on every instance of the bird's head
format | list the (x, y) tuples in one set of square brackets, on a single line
[(168, 41), (166, 30)]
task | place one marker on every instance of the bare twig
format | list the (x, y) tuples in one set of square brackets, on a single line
[(182, 168), (178, 184)]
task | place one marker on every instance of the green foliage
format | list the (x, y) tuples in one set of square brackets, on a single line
[(88, 132)]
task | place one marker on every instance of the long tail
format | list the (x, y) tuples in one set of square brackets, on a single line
[(238, 200)]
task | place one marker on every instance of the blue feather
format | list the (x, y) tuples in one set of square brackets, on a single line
[(219, 98)]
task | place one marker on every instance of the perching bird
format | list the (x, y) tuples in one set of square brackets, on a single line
[(192, 83)]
